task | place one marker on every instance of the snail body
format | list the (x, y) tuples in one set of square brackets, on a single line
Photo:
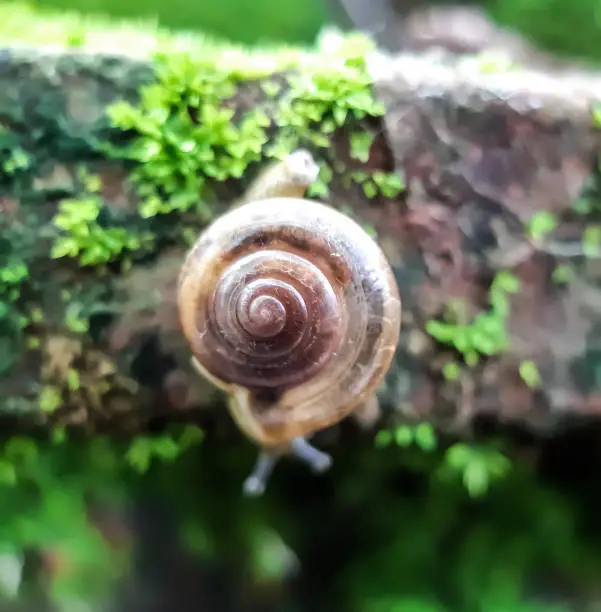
[(286, 178), (291, 308)]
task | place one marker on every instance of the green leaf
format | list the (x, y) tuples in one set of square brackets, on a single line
[(73, 379), (270, 88), (359, 177), (327, 126), (360, 145), (582, 206), (443, 332), (475, 478), (166, 447), (472, 358), (141, 451), (191, 436), (562, 274), (370, 189), (458, 456), (498, 465), (591, 239), (92, 183), (139, 455), (8, 473), (64, 247), (339, 115), (506, 281), (451, 370), (319, 189), (541, 224), (529, 374), (425, 437), (383, 438), (21, 449), (483, 343), (390, 184), (597, 115), (320, 140), (58, 435), (403, 435), (50, 399), (492, 325), (13, 273), (462, 339)]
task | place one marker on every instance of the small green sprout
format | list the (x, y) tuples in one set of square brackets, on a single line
[(542, 223), (422, 435), (529, 374), (478, 466)]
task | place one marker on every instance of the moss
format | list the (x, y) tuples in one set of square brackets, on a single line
[(14, 281), (199, 116), (486, 334), (188, 133), (186, 136), (83, 237), (182, 131)]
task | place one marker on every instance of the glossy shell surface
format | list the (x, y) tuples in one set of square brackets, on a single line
[(292, 308)]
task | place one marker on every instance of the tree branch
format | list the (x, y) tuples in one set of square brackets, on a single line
[(480, 152)]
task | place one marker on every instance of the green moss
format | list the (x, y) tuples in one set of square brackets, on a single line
[(50, 399), (422, 435), (324, 96), (166, 447), (188, 134), (388, 184), (476, 466), (14, 277), (597, 114), (486, 334), (82, 237), (529, 374), (541, 224)]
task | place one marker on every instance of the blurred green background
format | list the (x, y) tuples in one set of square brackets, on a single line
[(565, 27), (248, 21)]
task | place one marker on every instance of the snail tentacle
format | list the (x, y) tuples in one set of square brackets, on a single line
[(255, 483), (316, 459)]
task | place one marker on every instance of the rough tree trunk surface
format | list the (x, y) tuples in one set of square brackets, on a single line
[(481, 153)]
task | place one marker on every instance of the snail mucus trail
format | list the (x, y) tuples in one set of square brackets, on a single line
[(292, 309)]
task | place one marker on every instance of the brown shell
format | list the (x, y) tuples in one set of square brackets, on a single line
[(292, 308)]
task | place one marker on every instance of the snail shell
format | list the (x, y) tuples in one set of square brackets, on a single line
[(290, 307)]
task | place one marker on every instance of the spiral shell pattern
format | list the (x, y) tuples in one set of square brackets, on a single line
[(273, 319), (291, 300)]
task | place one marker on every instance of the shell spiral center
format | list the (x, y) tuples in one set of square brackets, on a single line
[(274, 318), (265, 305)]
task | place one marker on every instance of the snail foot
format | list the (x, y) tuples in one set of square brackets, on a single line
[(318, 461), (256, 482)]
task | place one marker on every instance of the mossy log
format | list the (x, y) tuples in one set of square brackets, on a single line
[(482, 153)]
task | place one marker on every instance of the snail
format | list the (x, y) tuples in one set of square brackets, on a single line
[(292, 309)]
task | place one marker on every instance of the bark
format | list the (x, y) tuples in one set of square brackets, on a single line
[(481, 153)]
